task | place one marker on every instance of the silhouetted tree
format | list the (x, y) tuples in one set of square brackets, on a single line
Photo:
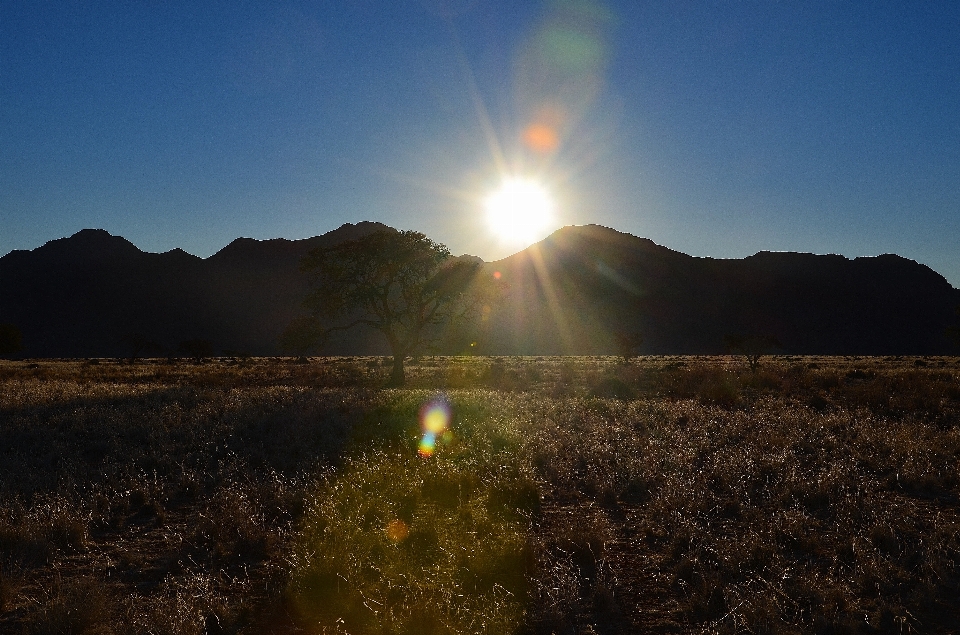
[(627, 344), (140, 345), (11, 340), (752, 347), (400, 283), (197, 349)]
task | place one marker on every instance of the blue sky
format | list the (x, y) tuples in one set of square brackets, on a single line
[(715, 128)]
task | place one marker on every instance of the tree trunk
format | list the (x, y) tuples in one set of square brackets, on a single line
[(396, 376)]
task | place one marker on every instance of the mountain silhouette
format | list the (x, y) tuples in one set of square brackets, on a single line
[(574, 291), (90, 294), (93, 294)]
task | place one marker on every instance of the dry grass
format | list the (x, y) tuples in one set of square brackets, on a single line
[(670, 494)]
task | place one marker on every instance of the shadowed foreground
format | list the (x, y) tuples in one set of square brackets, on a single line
[(493, 495)]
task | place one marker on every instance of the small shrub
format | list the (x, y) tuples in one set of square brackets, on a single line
[(611, 387), (80, 605), (7, 592)]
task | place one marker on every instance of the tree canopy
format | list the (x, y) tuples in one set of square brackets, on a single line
[(400, 283), (198, 349), (752, 347)]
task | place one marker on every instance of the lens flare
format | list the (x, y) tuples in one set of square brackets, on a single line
[(560, 74), (428, 444), (435, 419), (435, 416), (542, 134), (396, 530), (541, 138)]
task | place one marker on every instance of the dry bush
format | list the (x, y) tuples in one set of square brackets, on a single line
[(191, 605), (30, 535), (575, 587), (80, 605)]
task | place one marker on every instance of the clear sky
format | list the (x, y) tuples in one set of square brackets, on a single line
[(717, 128)]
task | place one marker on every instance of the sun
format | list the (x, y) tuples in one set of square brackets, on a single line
[(520, 211)]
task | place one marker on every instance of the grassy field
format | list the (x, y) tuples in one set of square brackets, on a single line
[(491, 495)]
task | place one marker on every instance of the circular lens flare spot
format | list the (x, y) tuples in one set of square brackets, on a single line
[(520, 211), (435, 416), (396, 530), (541, 138)]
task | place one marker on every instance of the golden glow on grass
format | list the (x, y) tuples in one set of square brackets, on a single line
[(394, 543), (397, 530), (520, 211)]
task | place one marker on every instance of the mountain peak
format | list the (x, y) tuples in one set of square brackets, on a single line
[(352, 231), (180, 255), (89, 243), (603, 234)]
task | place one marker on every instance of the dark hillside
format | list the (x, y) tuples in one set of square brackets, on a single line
[(89, 294), (573, 291), (94, 294)]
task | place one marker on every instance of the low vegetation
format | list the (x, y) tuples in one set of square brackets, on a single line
[(490, 495)]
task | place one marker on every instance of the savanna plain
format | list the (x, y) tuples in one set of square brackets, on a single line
[(527, 495)]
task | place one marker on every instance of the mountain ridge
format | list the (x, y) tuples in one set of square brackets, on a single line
[(572, 293)]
